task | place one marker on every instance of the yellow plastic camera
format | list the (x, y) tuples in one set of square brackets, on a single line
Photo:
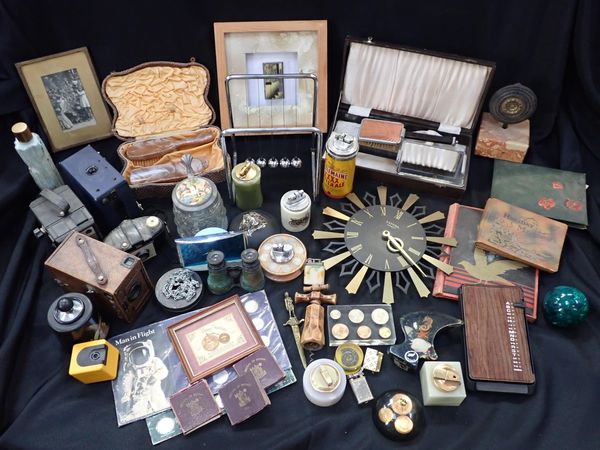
[(94, 361)]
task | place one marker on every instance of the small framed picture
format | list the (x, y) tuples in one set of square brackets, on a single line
[(214, 338), (65, 93)]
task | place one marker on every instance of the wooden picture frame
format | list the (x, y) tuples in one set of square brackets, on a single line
[(65, 93), (214, 338), (303, 43)]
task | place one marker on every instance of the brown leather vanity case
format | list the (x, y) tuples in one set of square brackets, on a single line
[(161, 111), (117, 282), (424, 90)]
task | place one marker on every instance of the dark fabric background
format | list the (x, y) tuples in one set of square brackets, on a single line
[(550, 45)]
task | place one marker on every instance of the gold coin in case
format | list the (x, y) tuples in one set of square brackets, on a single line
[(340, 331), (386, 415), (401, 404), (385, 333), (364, 332), (356, 316), (380, 316), (403, 425)]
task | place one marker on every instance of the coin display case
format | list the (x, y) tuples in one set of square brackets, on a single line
[(360, 324)]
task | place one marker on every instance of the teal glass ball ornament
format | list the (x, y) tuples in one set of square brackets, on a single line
[(565, 306)]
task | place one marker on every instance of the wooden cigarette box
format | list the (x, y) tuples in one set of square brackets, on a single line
[(115, 281)]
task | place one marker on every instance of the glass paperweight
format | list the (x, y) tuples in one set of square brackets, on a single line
[(197, 203), (565, 306)]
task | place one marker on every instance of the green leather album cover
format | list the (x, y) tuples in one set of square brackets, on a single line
[(557, 194)]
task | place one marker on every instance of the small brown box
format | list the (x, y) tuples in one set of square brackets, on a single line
[(510, 143), (117, 282)]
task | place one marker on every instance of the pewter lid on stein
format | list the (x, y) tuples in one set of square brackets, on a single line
[(193, 191), (342, 146), (296, 200)]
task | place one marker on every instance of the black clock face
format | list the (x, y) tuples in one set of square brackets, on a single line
[(364, 238)]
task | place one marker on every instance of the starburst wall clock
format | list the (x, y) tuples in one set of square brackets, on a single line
[(384, 239)]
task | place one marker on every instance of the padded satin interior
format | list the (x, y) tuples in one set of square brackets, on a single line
[(158, 99), (413, 84), (211, 152)]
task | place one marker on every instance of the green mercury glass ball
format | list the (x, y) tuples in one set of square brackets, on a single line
[(565, 306)]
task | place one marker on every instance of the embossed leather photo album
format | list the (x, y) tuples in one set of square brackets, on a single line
[(522, 235), (554, 193), (497, 353)]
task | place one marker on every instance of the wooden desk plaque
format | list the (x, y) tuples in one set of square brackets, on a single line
[(496, 340)]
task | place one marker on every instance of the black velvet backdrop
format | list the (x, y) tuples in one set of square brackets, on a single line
[(550, 45)]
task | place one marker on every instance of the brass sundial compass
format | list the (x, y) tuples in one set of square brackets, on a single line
[(387, 239)]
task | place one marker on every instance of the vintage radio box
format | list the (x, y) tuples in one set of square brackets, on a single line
[(115, 281), (161, 111), (436, 96), (101, 188)]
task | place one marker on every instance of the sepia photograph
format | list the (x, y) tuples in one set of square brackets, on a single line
[(65, 93), (69, 100), (273, 87)]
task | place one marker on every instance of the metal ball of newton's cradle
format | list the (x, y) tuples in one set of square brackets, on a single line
[(261, 162), (284, 163), (513, 104), (273, 163), (296, 162)]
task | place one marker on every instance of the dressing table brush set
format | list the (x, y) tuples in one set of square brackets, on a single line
[(407, 117)]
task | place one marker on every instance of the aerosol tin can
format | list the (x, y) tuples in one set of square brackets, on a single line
[(340, 164)]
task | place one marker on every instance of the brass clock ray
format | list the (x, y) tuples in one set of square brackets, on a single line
[(381, 234)]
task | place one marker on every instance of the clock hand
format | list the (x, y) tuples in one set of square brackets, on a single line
[(396, 245)]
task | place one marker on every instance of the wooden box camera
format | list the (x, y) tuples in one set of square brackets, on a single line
[(117, 282)]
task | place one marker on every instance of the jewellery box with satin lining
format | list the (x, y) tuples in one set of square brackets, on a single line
[(159, 100), (424, 90)]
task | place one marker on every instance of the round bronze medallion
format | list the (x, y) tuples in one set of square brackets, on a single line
[(210, 342), (224, 338), (340, 331), (364, 332), (386, 415), (401, 404), (403, 425)]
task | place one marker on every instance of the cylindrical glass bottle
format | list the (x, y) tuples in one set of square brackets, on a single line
[(34, 153), (218, 280), (253, 278)]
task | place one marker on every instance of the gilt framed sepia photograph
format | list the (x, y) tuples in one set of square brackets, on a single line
[(214, 338), (272, 48), (65, 93)]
